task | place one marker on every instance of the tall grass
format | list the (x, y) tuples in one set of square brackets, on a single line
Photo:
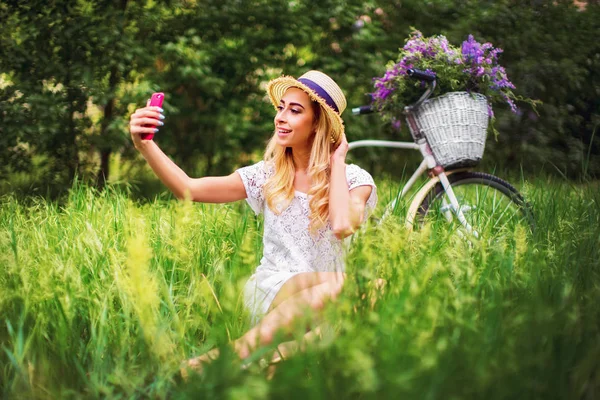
[(103, 297)]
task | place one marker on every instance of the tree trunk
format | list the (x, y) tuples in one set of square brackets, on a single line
[(71, 153), (104, 169), (105, 151)]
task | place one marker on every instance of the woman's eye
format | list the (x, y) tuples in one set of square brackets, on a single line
[(295, 111), (279, 108)]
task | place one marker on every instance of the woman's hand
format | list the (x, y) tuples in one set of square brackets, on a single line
[(339, 155), (145, 121)]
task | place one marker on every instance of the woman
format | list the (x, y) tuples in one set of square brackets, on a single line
[(310, 198)]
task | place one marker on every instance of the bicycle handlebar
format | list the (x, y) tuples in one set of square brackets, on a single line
[(422, 75), (362, 110)]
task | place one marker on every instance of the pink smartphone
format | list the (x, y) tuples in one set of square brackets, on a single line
[(155, 101)]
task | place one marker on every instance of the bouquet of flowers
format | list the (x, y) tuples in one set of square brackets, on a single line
[(473, 67)]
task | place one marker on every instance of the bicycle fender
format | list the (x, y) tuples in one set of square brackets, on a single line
[(420, 196)]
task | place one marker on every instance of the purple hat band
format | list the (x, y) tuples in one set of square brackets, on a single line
[(320, 92)]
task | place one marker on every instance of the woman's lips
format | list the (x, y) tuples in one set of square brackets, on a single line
[(283, 132)]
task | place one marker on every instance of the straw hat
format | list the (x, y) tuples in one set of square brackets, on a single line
[(320, 88)]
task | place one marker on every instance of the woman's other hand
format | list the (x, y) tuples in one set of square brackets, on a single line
[(145, 121), (339, 155)]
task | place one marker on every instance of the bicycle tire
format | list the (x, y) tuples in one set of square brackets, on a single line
[(485, 194)]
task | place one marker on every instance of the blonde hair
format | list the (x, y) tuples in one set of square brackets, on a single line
[(279, 188)]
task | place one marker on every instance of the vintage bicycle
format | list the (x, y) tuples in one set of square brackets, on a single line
[(450, 132)]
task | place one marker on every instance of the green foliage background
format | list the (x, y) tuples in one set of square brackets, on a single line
[(71, 73)]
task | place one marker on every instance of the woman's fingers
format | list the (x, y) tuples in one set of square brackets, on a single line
[(344, 142), (342, 149), (153, 112), (146, 121), (142, 129), (146, 116)]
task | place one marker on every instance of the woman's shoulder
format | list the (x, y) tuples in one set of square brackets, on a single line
[(259, 169), (356, 176), (254, 177), (353, 168)]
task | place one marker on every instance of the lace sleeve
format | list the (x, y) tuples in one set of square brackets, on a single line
[(356, 177), (254, 177)]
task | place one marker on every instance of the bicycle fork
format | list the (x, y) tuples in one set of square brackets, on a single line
[(454, 207)]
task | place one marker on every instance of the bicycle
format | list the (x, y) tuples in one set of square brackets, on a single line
[(454, 193)]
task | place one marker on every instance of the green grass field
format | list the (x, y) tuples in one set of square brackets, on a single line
[(101, 296)]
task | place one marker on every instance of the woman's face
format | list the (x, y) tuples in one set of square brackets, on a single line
[(294, 119)]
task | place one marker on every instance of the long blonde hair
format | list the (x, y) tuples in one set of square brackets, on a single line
[(279, 187)]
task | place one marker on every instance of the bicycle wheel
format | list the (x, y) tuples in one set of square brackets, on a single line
[(490, 205)]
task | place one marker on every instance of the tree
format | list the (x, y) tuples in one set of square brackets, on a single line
[(59, 63), (72, 72)]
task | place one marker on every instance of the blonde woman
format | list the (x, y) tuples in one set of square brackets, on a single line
[(311, 200)]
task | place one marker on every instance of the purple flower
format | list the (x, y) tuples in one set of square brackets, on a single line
[(490, 110), (382, 93), (471, 49), (500, 79), (494, 53), (444, 46), (511, 103)]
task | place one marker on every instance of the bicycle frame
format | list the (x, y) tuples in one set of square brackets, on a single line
[(428, 163), (397, 145)]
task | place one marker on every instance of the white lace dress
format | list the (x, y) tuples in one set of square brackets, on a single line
[(288, 246)]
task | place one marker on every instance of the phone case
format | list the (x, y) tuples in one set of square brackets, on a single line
[(155, 101)]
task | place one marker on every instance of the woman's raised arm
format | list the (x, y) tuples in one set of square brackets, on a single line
[(346, 207), (213, 189)]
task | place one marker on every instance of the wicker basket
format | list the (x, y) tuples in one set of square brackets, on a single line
[(455, 126)]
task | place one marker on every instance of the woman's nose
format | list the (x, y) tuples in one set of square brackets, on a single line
[(280, 116)]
